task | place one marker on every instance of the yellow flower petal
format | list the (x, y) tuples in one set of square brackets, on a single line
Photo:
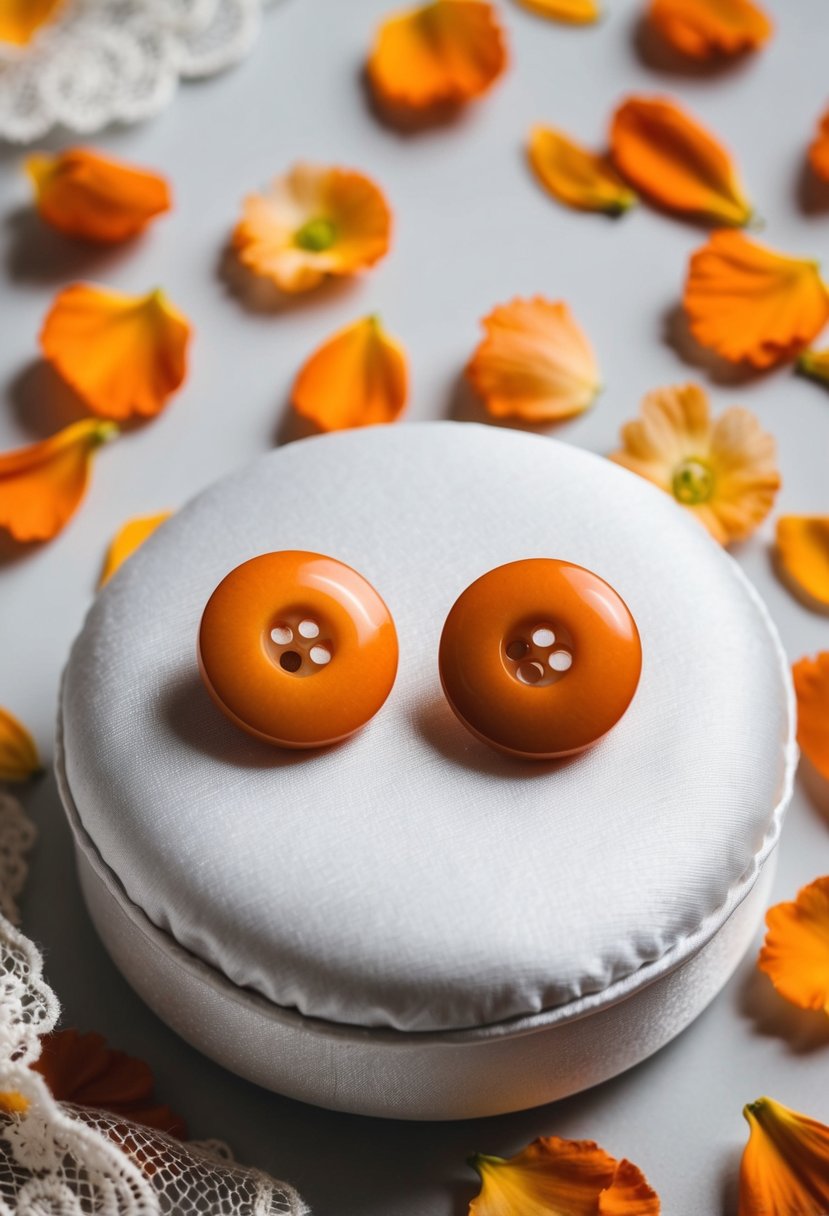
[(357, 378), (41, 486), (751, 304), (722, 470), (803, 556), (21, 19), (129, 538), (124, 355), (709, 29), (785, 1166), (18, 751), (572, 12), (795, 953), (815, 364), (575, 176), (311, 224), (535, 362), (811, 685)]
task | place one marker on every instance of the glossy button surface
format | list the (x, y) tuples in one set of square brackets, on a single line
[(297, 648), (540, 658)]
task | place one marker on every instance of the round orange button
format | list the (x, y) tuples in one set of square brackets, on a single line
[(297, 649), (540, 658)]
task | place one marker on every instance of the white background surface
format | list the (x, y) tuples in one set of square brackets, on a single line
[(472, 230)]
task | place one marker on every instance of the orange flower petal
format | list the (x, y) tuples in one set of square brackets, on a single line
[(18, 752), (21, 19), (795, 953), (41, 486), (313, 223), (129, 538), (803, 555), (676, 162), (785, 1166), (12, 1103), (819, 149), (709, 29), (815, 364), (357, 378), (81, 1069), (440, 55), (750, 304), (555, 1177), (722, 470), (124, 355), (811, 685), (94, 197), (575, 176), (572, 12), (535, 362)]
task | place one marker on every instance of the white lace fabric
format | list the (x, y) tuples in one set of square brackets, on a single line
[(62, 1160), (103, 61)]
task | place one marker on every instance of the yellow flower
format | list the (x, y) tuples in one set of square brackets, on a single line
[(724, 471), (129, 538), (785, 1166), (313, 223), (18, 752)]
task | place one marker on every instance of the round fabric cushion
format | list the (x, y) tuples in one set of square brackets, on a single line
[(411, 877)]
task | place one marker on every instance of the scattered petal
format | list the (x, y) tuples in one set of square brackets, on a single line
[(575, 176), (785, 1166), (18, 751), (815, 364), (123, 355), (21, 19), (571, 12), (129, 538), (357, 378), (819, 149), (811, 686), (795, 953), (803, 556), (555, 1177), (673, 160), (81, 1069), (436, 57), (710, 29), (313, 223), (94, 197), (535, 362), (13, 1103), (41, 486), (751, 304), (722, 470)]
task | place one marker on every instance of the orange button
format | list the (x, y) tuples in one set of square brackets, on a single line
[(540, 658), (297, 649)]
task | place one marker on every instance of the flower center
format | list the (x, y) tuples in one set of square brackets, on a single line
[(693, 482), (316, 236)]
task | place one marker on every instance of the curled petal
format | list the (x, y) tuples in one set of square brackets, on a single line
[(313, 223), (534, 363), (41, 486), (819, 149), (94, 197), (785, 1165), (710, 29), (571, 12), (123, 355), (129, 538), (575, 176), (673, 160), (803, 556), (21, 19), (811, 685), (795, 954), (437, 56), (19, 759), (357, 378), (815, 364), (751, 304)]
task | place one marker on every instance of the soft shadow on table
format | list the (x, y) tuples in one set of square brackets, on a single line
[(814, 786), (39, 254), (291, 426), (811, 191), (678, 336), (802, 1031), (655, 53), (42, 402)]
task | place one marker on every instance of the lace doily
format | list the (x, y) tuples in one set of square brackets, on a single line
[(101, 61), (65, 1160)]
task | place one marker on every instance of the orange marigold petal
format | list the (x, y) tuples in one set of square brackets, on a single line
[(94, 197), (358, 377), (629, 1194), (795, 954), (751, 304), (710, 29), (123, 355), (572, 12), (129, 538), (441, 54), (676, 162), (575, 176), (803, 556), (41, 486), (534, 363), (819, 149), (811, 685), (13, 1103), (19, 759), (785, 1165), (21, 19)]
